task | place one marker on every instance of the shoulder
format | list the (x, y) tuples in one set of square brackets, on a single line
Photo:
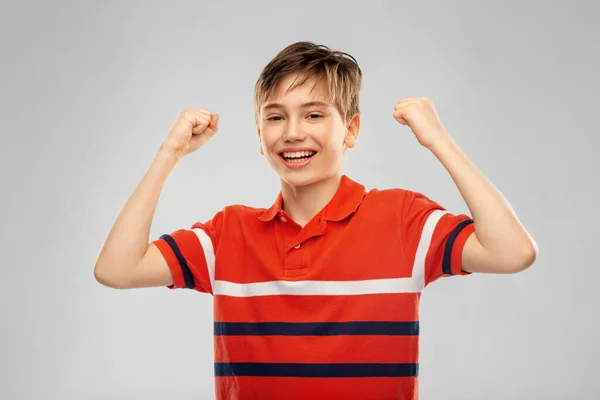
[(382, 204), (242, 211), (397, 200), (237, 214), (389, 196), (234, 219)]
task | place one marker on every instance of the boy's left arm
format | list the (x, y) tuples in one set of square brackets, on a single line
[(500, 244)]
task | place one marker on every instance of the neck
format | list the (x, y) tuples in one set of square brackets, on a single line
[(304, 202)]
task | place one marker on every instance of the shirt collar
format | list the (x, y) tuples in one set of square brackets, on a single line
[(345, 201)]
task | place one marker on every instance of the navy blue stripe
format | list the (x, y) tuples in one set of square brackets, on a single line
[(447, 260), (316, 328), (366, 370), (187, 273)]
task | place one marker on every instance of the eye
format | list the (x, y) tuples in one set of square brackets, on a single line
[(274, 118), (312, 116)]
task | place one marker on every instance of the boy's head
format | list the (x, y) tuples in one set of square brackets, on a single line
[(299, 74)]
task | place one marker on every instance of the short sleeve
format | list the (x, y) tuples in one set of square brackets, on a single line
[(433, 238), (190, 254)]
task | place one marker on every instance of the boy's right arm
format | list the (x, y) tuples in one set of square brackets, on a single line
[(127, 258)]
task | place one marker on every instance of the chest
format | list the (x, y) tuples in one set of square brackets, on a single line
[(352, 250)]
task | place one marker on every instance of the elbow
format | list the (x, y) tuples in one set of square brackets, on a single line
[(531, 254), (107, 279), (527, 257), (102, 277)]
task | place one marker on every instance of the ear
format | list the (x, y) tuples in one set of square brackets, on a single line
[(260, 142), (352, 131)]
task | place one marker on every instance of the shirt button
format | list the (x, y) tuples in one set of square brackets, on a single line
[(283, 219), (297, 246)]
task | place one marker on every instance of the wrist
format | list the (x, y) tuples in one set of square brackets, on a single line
[(168, 153), (442, 145), (168, 156)]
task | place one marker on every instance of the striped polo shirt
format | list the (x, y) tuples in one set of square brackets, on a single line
[(325, 311)]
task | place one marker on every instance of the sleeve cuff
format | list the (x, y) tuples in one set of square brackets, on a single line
[(172, 262), (452, 262), (185, 255)]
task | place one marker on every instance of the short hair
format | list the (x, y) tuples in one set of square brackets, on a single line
[(340, 70)]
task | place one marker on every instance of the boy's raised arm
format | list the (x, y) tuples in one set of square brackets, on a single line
[(500, 243), (127, 259)]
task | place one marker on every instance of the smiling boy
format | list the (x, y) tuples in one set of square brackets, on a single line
[(316, 297)]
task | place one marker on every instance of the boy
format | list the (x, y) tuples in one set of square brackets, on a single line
[(317, 296)]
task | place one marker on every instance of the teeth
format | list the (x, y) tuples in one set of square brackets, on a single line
[(298, 154), (296, 160)]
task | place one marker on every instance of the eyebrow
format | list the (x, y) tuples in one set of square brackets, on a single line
[(304, 105)]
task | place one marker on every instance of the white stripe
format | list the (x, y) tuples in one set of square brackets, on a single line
[(418, 271), (315, 288), (414, 284), (209, 253)]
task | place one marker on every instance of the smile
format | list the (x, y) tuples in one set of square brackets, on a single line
[(297, 156), (297, 159)]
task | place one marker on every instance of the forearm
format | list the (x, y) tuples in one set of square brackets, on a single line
[(128, 238), (497, 227)]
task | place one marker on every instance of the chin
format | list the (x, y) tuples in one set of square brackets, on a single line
[(302, 178), (298, 179)]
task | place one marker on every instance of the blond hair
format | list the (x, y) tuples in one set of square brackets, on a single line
[(340, 70)]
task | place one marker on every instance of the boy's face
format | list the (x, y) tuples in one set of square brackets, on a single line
[(302, 135)]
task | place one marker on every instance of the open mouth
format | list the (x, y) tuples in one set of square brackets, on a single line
[(297, 157)]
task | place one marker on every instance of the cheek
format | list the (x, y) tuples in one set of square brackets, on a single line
[(334, 141), (268, 139), (333, 151)]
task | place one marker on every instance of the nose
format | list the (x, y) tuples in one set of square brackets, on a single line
[(293, 132)]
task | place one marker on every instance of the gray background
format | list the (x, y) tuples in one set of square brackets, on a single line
[(89, 90)]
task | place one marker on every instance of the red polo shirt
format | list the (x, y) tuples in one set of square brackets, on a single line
[(328, 311)]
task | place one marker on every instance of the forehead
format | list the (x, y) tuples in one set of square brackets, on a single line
[(312, 89)]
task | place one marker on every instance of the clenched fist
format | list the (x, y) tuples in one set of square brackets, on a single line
[(420, 115), (192, 128)]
